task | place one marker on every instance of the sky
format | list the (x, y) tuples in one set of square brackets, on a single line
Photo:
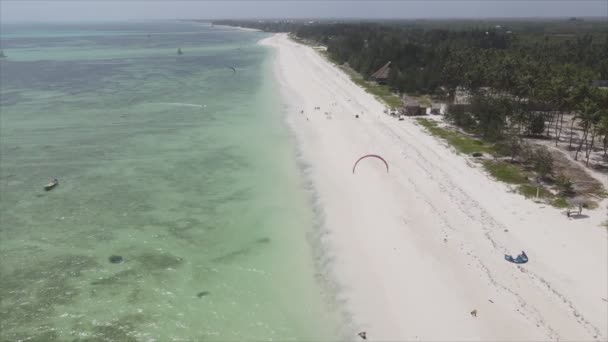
[(94, 10)]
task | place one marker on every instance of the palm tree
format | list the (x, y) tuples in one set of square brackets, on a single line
[(603, 130), (557, 94), (588, 116)]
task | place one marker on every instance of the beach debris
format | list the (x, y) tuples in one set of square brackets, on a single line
[(605, 300), (356, 116), (491, 301), (474, 313), (363, 335), (520, 259), (51, 185), (477, 154), (203, 294), (116, 259), (370, 156), (506, 230)]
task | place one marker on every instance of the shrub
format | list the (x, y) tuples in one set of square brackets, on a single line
[(505, 172), (565, 185), (537, 124), (560, 202), (460, 117), (511, 147), (542, 161)]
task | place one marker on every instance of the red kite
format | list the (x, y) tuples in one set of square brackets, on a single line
[(367, 156)]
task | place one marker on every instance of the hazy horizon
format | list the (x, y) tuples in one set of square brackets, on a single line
[(73, 11)]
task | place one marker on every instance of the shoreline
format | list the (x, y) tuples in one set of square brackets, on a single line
[(422, 246), (240, 28)]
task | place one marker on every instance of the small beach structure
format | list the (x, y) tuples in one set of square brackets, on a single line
[(381, 75), (436, 109), (411, 106)]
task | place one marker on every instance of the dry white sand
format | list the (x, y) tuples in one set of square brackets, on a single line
[(415, 250)]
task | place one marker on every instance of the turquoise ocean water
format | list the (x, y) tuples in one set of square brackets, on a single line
[(176, 163)]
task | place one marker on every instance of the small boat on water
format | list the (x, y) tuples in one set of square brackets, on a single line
[(2, 55), (179, 51), (52, 184)]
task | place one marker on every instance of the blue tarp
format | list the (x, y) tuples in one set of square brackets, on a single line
[(520, 259)]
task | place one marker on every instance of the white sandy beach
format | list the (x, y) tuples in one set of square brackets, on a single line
[(415, 250)]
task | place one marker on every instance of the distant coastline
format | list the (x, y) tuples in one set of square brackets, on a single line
[(212, 24)]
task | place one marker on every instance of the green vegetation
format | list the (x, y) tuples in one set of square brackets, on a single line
[(381, 92), (529, 191), (517, 77), (506, 172), (502, 80), (515, 174), (461, 142), (560, 202)]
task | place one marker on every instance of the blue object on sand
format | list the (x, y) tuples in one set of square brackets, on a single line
[(520, 259)]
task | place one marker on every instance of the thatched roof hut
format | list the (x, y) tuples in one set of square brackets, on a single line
[(381, 75), (412, 106)]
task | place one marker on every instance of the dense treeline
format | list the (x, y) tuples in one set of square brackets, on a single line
[(426, 58), (522, 77)]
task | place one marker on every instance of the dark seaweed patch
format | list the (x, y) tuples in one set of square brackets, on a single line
[(30, 294), (228, 257), (119, 330), (263, 240), (203, 294), (116, 259), (47, 335), (117, 278), (158, 261)]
